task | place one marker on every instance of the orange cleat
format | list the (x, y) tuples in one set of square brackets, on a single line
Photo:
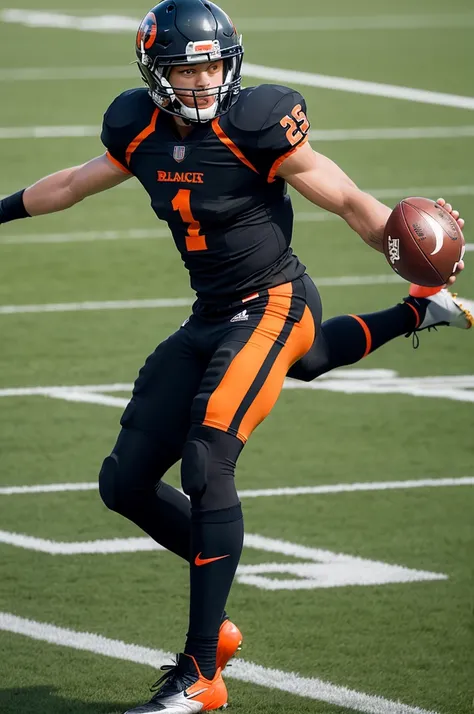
[(230, 641), (439, 308), (184, 690)]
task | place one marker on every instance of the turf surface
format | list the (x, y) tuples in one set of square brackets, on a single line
[(410, 642)]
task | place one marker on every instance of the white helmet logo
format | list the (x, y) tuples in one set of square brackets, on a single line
[(211, 48)]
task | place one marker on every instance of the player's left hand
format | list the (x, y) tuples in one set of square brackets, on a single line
[(460, 222)]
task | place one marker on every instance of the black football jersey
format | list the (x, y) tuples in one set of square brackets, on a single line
[(217, 189)]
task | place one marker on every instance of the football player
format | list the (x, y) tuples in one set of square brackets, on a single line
[(215, 160)]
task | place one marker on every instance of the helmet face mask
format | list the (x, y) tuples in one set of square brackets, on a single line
[(186, 33)]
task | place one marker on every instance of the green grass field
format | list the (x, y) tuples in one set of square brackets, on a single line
[(400, 638)]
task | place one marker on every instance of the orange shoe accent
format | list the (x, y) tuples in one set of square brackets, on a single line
[(211, 693), (416, 313), (230, 640), (205, 561), (420, 292), (368, 336)]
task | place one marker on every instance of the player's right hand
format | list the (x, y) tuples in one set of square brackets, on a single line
[(461, 223)]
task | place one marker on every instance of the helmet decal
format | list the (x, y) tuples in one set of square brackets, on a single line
[(232, 23), (146, 34)]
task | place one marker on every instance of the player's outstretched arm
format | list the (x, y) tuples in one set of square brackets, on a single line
[(323, 183), (62, 190)]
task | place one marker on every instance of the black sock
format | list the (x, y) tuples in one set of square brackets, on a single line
[(216, 545), (167, 519), (170, 524), (351, 337)]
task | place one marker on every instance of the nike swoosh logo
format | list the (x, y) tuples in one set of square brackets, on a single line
[(438, 233), (205, 561), (195, 694)]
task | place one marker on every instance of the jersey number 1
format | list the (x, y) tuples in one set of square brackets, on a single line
[(182, 203)]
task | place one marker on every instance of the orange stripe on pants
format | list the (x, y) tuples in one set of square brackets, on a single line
[(244, 368), (298, 343)]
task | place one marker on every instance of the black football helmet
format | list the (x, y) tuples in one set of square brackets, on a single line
[(184, 32)]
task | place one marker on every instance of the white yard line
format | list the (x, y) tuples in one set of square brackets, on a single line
[(67, 74), (293, 683), (458, 388), (356, 487), (47, 132), (391, 133), (103, 22), (105, 546), (159, 234), (435, 191), (269, 492), (322, 569), (105, 305), (356, 22), (134, 234), (342, 281), (284, 76), (356, 86), (369, 134), (354, 280), (48, 488), (388, 192), (84, 236)]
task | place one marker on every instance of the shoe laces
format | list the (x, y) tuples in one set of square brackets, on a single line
[(415, 337), (168, 679), (169, 671)]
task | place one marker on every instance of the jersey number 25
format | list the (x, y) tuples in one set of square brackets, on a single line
[(297, 125)]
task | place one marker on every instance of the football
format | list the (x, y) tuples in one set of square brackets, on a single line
[(422, 242)]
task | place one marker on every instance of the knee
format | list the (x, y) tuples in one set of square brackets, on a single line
[(194, 468), (119, 486), (110, 485), (123, 487), (207, 468), (303, 371), (316, 361)]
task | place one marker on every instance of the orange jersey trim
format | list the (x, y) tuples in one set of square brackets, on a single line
[(141, 136), (116, 163), (222, 136), (368, 336), (281, 159)]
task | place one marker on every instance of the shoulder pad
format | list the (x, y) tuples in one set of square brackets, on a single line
[(127, 108), (257, 107)]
